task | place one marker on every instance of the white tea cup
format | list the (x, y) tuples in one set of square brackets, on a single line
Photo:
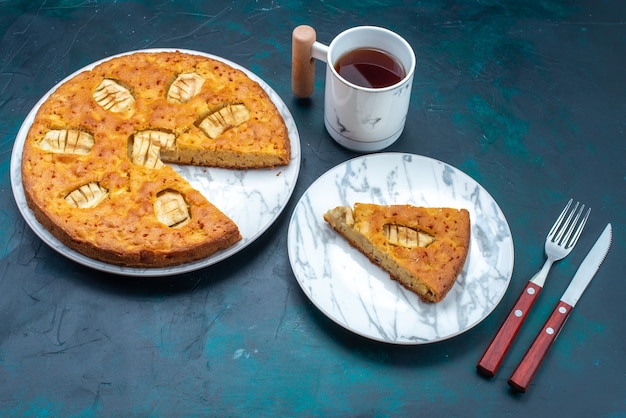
[(360, 118)]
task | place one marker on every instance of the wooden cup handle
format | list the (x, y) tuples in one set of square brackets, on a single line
[(302, 62)]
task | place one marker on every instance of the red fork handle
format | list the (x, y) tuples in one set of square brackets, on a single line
[(493, 356), (527, 368)]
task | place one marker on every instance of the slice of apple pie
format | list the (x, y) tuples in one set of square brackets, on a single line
[(424, 249)]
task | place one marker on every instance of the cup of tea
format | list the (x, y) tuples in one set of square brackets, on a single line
[(369, 75)]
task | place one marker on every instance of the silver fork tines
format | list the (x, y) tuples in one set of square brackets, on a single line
[(562, 237), (563, 232)]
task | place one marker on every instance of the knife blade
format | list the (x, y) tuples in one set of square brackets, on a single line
[(527, 368)]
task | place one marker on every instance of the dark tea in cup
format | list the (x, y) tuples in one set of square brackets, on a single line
[(369, 67)]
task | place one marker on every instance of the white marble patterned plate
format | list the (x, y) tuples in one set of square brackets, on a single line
[(253, 199), (360, 296)]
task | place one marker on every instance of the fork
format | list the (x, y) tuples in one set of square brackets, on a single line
[(559, 243)]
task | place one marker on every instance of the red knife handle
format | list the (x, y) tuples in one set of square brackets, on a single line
[(493, 356), (526, 369)]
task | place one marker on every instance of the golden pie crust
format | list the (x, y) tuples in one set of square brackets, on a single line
[(424, 249), (95, 161)]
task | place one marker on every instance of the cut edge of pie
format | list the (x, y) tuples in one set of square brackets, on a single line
[(423, 249)]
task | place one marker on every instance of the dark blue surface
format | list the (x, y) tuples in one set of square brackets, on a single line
[(528, 98)]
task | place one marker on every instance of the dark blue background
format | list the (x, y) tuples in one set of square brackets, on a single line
[(528, 98)]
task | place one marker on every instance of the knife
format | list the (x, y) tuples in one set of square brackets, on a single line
[(526, 369)]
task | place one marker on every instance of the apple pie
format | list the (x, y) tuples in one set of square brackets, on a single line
[(95, 163), (424, 249)]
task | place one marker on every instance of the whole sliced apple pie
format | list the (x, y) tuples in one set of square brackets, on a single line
[(95, 164)]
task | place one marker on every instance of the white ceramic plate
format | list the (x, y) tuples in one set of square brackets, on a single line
[(253, 199), (360, 296)]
